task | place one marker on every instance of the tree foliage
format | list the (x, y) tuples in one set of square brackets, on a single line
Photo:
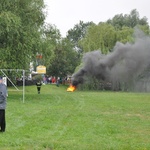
[(104, 35), (101, 36), (59, 55), (65, 59), (129, 20), (23, 34), (77, 33), (20, 23), (50, 38), (124, 35)]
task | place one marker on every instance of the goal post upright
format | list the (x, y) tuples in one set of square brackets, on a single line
[(23, 85)]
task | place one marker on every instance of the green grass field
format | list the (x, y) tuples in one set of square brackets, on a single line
[(80, 120)]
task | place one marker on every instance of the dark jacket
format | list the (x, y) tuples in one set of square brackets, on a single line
[(3, 96), (38, 84)]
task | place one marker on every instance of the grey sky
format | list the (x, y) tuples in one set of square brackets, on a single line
[(66, 13)]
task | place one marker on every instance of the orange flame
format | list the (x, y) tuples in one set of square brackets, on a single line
[(71, 88)]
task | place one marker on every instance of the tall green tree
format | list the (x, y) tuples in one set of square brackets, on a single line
[(20, 23), (51, 37), (77, 33), (129, 20), (101, 36), (58, 53), (65, 59)]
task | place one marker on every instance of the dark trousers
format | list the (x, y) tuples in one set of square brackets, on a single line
[(38, 88), (2, 120)]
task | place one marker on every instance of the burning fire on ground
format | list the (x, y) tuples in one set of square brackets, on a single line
[(71, 88)]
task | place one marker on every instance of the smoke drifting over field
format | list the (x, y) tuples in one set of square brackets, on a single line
[(127, 64)]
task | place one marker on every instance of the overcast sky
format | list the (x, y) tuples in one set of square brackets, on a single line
[(66, 13)]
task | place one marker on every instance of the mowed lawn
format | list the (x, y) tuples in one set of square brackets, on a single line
[(80, 120)]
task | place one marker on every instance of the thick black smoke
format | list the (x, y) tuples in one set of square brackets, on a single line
[(127, 64)]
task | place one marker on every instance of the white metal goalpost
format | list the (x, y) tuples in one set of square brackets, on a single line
[(23, 78)]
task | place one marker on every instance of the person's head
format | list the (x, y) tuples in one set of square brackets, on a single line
[(1, 79)]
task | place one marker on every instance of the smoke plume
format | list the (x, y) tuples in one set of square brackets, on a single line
[(127, 64)]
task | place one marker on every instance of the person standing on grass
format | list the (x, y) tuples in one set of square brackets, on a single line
[(3, 99), (38, 84), (58, 81)]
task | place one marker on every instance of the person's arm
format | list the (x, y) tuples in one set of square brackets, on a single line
[(1, 97), (4, 91), (1, 100)]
